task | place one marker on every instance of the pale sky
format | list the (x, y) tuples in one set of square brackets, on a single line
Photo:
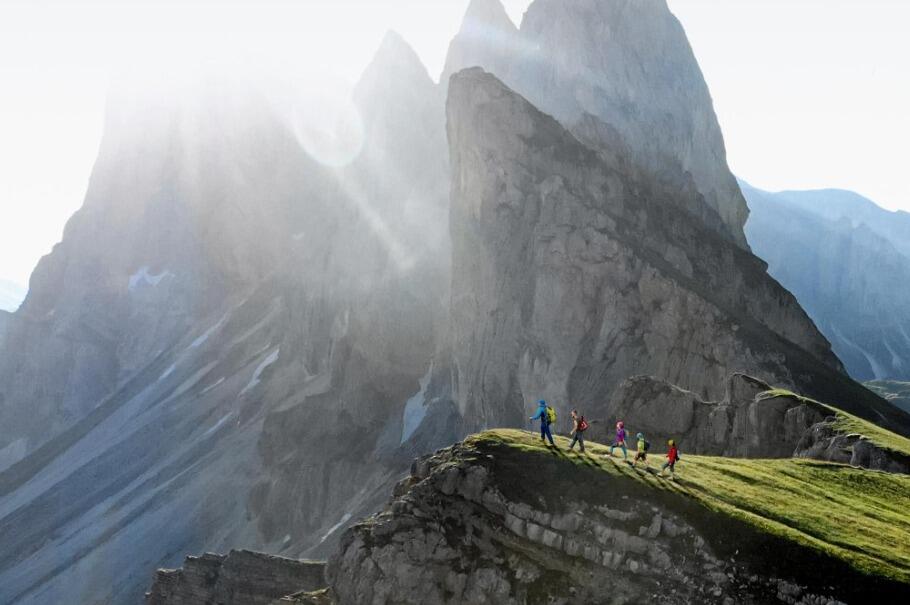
[(810, 93)]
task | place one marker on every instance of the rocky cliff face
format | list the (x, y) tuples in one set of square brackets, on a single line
[(621, 76), (745, 424), (567, 279), (752, 421), (238, 578), (850, 273), (826, 441)]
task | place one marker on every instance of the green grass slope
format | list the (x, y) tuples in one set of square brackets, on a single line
[(858, 516)]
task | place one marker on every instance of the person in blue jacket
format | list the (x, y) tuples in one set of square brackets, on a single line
[(544, 421)]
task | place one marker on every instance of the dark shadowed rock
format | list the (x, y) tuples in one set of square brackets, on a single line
[(742, 425), (752, 421), (239, 578), (823, 441)]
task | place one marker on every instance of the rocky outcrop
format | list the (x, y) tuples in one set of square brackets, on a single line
[(850, 273), (239, 578), (825, 441), (745, 424), (621, 76), (752, 421), (470, 525), (316, 597), (567, 279)]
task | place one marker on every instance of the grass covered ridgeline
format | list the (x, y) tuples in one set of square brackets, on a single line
[(858, 516)]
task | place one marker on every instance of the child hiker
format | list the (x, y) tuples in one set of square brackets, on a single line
[(543, 413), (642, 446), (672, 457), (579, 426), (620, 440)]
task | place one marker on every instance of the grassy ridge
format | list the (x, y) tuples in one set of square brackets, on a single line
[(858, 516)]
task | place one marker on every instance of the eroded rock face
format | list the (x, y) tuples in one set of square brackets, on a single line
[(239, 578), (741, 425), (823, 441), (567, 279), (465, 529), (750, 422)]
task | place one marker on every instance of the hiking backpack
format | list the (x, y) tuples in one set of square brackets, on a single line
[(647, 445), (551, 415), (582, 425)]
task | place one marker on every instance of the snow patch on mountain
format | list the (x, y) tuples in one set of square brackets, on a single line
[(877, 369), (272, 358), (218, 424), (415, 409), (143, 277), (334, 528), (168, 371), (205, 336)]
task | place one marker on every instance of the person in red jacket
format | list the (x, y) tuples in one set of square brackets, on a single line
[(672, 457)]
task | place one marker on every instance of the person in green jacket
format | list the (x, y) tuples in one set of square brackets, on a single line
[(642, 453)]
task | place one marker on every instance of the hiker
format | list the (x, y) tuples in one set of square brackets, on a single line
[(642, 449), (672, 457), (579, 426), (546, 415), (620, 440)]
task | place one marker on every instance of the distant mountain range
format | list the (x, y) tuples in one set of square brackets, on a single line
[(11, 295), (848, 262)]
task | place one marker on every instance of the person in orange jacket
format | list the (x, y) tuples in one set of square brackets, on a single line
[(672, 457)]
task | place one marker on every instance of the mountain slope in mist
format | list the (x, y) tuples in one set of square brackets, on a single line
[(850, 275)]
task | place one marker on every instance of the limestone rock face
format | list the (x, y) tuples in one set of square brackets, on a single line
[(752, 421), (567, 279), (620, 75), (824, 442), (239, 578), (469, 527), (742, 425)]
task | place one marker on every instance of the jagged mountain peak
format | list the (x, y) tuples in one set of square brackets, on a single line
[(490, 13), (622, 77), (395, 53), (487, 38)]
